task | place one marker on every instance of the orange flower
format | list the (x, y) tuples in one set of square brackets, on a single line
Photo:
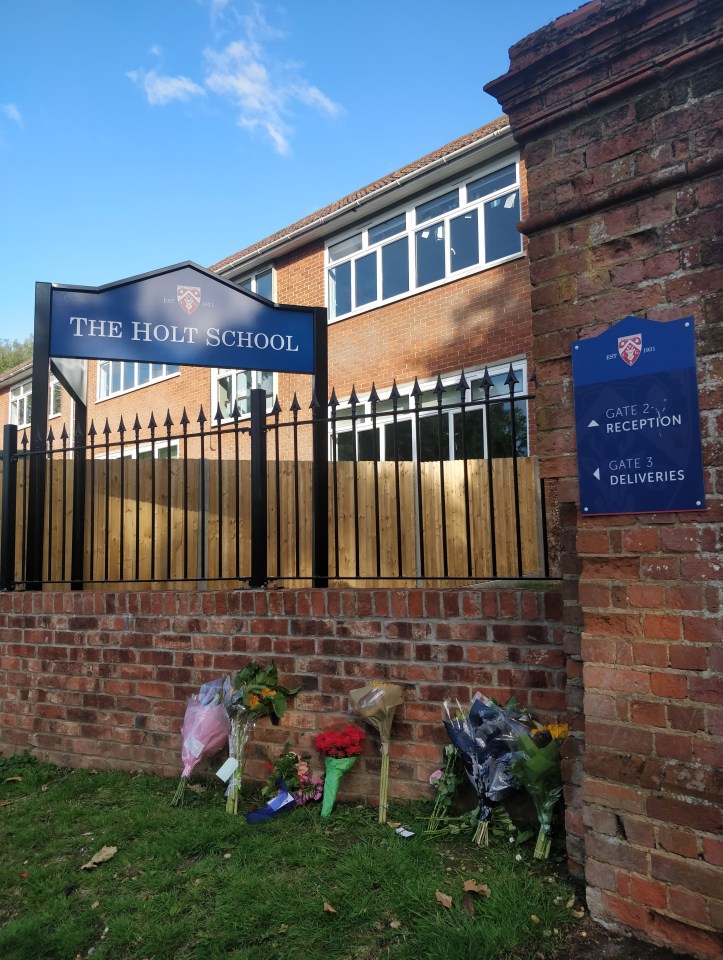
[(267, 692), (253, 701)]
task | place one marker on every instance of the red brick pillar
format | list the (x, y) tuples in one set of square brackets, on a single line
[(618, 108)]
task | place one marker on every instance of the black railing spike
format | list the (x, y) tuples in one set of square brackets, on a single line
[(295, 405), (184, 419), (511, 379), (168, 422), (64, 435), (462, 385), (236, 411), (333, 402), (276, 409), (106, 428), (439, 388), (314, 405), (136, 426), (533, 377), (25, 441), (486, 382), (374, 397), (353, 399), (51, 436), (92, 432), (201, 416), (152, 422), (218, 416), (121, 427), (394, 394), (416, 392)]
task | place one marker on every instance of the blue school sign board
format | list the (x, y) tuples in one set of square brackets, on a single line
[(182, 314), (637, 421)]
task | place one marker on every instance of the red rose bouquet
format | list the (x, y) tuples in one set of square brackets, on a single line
[(340, 749)]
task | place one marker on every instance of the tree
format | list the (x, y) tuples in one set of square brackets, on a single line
[(14, 352)]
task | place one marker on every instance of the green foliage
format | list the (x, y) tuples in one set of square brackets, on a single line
[(196, 884), (15, 352)]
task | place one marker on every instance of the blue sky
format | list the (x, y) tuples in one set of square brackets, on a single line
[(135, 134)]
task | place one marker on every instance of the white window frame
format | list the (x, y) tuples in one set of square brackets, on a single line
[(251, 282), (54, 390), (219, 373), (20, 394), (122, 364), (130, 451), (450, 405), (411, 228)]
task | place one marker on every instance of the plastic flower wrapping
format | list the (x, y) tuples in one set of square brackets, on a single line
[(340, 750), (376, 704), (537, 767), (205, 729)]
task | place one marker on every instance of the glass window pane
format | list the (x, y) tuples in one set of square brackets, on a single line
[(464, 240), (429, 436), (366, 279), (403, 440), (167, 453), (247, 284), (115, 380), (340, 289), (502, 237), (474, 432), (144, 373), (129, 374), (172, 368), (345, 446), (395, 268), (243, 386), (368, 444), (345, 247), (225, 400), (265, 381), (55, 398), (104, 377), (390, 228), (264, 285), (492, 182), (387, 406), (430, 254), (501, 429), (438, 206)]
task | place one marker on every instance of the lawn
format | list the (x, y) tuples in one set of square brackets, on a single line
[(196, 882)]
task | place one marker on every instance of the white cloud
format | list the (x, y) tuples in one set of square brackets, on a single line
[(10, 111), (160, 89), (156, 50)]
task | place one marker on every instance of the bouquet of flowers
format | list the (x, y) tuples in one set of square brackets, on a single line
[(340, 750), (377, 704), (205, 729), (537, 767), (487, 743), (256, 693), (293, 772)]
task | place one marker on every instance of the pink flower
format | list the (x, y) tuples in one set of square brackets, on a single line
[(435, 777)]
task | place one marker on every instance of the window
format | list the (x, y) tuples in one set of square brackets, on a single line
[(229, 387), (160, 450), (261, 283), (21, 404), (55, 398), (430, 241), (119, 376), (440, 435)]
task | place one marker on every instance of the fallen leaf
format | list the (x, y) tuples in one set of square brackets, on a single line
[(328, 908), (13, 779), (571, 902), (444, 899), (44, 788), (284, 928), (471, 886), (578, 913), (197, 788), (534, 918), (95, 905), (227, 856), (5, 803), (395, 924), (103, 855), (467, 905), (393, 825)]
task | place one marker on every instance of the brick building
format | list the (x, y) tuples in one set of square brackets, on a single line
[(423, 273)]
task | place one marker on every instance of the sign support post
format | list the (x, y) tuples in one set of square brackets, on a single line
[(320, 441)]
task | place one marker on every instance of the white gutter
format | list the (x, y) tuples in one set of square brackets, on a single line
[(313, 230)]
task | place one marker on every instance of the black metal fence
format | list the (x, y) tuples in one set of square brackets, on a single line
[(431, 486)]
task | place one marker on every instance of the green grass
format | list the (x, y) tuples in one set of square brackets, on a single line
[(195, 882)]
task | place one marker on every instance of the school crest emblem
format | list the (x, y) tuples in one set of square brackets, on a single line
[(189, 298), (630, 347)]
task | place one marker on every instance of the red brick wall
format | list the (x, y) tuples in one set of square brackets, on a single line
[(101, 679), (618, 107)]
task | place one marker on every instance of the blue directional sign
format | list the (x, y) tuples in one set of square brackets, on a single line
[(182, 314), (637, 420)]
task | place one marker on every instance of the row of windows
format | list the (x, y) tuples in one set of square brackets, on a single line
[(119, 376), (21, 402), (440, 435), (467, 228)]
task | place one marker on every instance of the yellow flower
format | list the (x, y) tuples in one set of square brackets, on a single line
[(558, 731), (253, 701), (267, 692)]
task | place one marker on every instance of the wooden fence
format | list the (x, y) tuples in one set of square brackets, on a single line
[(189, 521)]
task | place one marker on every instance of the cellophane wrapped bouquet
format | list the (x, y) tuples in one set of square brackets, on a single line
[(205, 729)]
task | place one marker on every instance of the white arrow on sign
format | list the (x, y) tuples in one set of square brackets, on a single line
[(593, 423), (596, 473)]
